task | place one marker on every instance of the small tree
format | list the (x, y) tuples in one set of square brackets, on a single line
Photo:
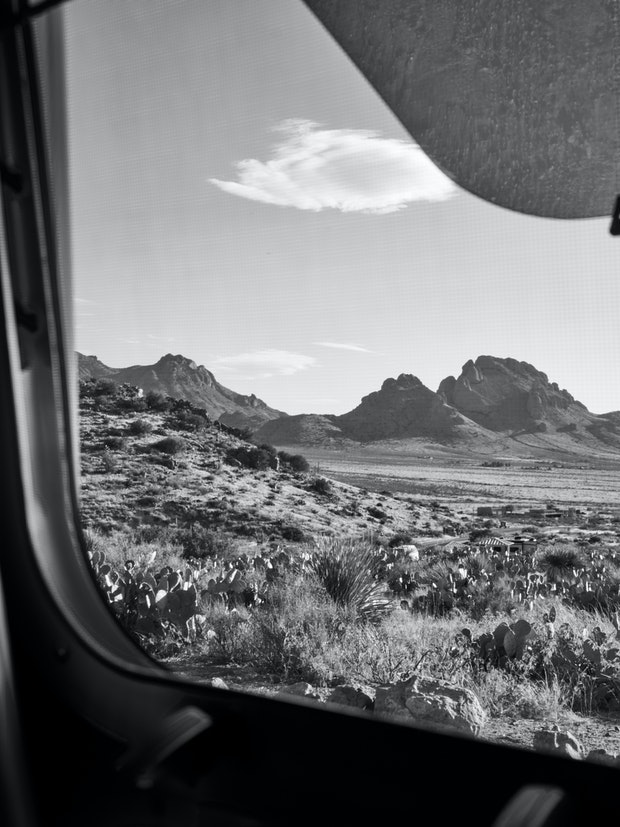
[(156, 401), (296, 462)]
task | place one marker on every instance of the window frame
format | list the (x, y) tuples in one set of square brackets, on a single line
[(128, 723)]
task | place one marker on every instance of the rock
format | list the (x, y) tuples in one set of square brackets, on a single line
[(301, 690), (350, 696), (409, 551), (217, 683), (601, 756), (432, 703), (553, 740)]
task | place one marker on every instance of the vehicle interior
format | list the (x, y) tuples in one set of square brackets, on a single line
[(94, 731)]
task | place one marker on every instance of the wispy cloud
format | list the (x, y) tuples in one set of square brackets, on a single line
[(351, 170), (160, 338), (344, 346), (272, 362)]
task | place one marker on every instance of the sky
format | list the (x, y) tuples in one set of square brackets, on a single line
[(241, 196)]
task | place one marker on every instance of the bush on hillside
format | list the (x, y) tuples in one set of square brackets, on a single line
[(189, 420), (296, 462), (104, 387), (130, 403), (139, 427), (257, 458), (169, 445), (321, 486), (399, 540), (156, 401), (115, 443), (293, 533)]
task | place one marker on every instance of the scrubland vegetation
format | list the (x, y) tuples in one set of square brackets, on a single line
[(534, 630), (531, 637)]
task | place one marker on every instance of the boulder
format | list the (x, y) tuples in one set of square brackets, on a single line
[(409, 551), (217, 683), (601, 756), (554, 740), (350, 696), (432, 703)]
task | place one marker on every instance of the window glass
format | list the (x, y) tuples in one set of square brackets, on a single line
[(347, 431)]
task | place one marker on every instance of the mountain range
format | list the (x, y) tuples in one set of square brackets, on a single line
[(495, 405), (182, 378)]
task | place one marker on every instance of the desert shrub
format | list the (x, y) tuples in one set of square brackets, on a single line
[(228, 635), (245, 433), (104, 387), (347, 570), (169, 445), (477, 563), (559, 561), (131, 403), (156, 401), (295, 628), (369, 653), (256, 458), (399, 540), (114, 443), (494, 597), (377, 513), (199, 542), (296, 462), (189, 421), (293, 533), (139, 427), (321, 486), (265, 446), (110, 463)]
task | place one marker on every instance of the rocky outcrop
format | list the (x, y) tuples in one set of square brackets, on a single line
[(182, 378), (89, 367), (505, 395), (346, 695), (402, 408), (432, 703)]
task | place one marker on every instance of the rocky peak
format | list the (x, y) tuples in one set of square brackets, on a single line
[(405, 382), (177, 376), (505, 394)]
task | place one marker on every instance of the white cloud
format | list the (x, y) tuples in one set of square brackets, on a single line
[(78, 300), (351, 170), (343, 346), (273, 362)]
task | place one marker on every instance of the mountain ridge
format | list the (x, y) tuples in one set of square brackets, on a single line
[(495, 404), (182, 378)]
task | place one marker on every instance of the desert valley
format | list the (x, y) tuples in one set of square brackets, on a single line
[(454, 552)]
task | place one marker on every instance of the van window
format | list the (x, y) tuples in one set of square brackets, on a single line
[(347, 432)]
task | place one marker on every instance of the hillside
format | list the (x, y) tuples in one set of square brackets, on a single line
[(143, 469), (181, 378)]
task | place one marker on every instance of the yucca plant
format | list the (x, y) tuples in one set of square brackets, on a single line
[(347, 569), (558, 562)]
